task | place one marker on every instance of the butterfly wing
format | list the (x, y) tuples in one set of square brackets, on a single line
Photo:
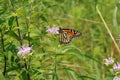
[(66, 35), (65, 38)]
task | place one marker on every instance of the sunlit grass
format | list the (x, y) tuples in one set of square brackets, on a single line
[(26, 22)]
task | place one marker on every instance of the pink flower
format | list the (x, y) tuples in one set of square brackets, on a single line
[(116, 78), (53, 30), (24, 50), (116, 67), (109, 61)]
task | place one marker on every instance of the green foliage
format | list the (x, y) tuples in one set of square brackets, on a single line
[(82, 59)]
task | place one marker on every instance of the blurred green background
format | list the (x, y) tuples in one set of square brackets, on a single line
[(82, 59)]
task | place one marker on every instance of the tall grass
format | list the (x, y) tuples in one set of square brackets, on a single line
[(25, 22)]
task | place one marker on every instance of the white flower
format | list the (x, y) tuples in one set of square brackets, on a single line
[(24, 50), (53, 30), (116, 78), (116, 67), (109, 61)]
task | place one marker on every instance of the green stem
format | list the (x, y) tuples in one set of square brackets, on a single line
[(28, 34), (16, 18), (20, 40), (55, 68), (27, 68), (19, 33), (27, 24), (5, 63), (106, 26), (3, 49)]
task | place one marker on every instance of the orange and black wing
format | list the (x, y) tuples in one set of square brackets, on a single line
[(65, 38), (66, 35)]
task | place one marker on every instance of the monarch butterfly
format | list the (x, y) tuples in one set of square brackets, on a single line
[(66, 35)]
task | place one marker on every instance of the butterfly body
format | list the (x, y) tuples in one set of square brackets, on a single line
[(66, 35)]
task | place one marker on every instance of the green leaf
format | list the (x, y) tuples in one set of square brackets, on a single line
[(12, 34), (10, 22), (1, 76), (2, 10), (1, 21), (43, 18), (10, 47), (86, 77)]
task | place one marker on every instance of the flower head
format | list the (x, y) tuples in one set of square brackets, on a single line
[(109, 61), (24, 50), (53, 30), (116, 77), (116, 66)]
